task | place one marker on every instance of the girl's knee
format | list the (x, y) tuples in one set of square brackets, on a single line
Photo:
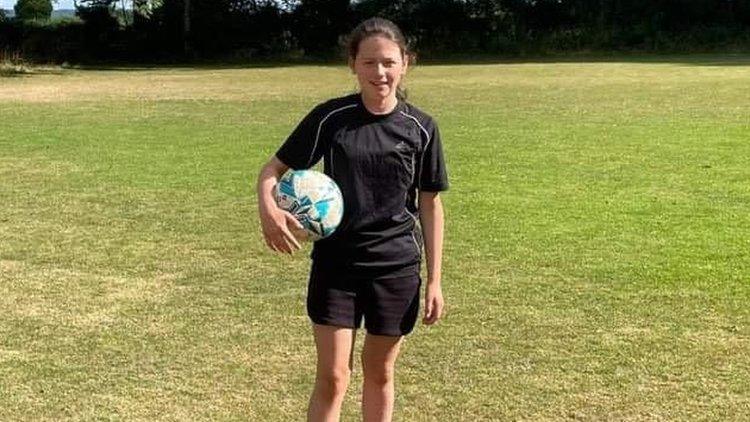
[(333, 384), (378, 374)]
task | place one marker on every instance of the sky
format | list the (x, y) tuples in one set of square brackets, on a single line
[(61, 4)]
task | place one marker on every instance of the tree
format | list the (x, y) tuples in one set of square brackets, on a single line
[(186, 47), (33, 9), (98, 14), (143, 10), (317, 24), (100, 25)]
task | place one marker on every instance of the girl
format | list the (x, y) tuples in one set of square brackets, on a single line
[(386, 157)]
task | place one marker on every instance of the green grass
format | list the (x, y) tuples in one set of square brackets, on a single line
[(596, 264)]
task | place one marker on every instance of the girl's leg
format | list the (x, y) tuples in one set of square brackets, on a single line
[(334, 346), (378, 362)]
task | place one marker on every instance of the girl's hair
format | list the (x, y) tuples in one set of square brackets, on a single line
[(383, 28)]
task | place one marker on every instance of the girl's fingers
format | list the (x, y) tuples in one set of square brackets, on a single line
[(289, 237), (299, 234), (284, 242), (269, 242), (278, 244), (428, 312), (292, 219), (288, 248), (433, 311)]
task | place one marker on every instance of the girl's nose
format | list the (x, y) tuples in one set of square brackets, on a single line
[(380, 69)]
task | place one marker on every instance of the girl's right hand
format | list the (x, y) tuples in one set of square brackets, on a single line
[(278, 225)]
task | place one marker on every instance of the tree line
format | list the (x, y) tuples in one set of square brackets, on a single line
[(250, 29)]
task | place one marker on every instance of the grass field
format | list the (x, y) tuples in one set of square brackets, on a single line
[(597, 263)]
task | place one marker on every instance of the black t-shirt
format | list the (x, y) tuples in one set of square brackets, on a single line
[(379, 162)]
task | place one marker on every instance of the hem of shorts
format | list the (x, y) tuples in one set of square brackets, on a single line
[(389, 334), (319, 321), (325, 322)]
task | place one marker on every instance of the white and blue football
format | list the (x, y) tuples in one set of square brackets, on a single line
[(313, 198)]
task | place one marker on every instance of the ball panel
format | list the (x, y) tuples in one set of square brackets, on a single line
[(313, 198)]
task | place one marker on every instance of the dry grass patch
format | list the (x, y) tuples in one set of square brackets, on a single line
[(75, 298), (165, 85)]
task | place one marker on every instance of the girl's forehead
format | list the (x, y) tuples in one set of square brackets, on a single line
[(377, 45)]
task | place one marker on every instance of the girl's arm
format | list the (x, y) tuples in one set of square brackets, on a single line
[(275, 222), (431, 219)]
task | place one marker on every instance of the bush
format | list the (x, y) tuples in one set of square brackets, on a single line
[(11, 63), (33, 9), (54, 41), (100, 29)]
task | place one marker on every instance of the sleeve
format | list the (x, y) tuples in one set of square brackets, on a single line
[(433, 175), (303, 148)]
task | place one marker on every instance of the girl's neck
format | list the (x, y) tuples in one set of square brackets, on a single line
[(380, 105)]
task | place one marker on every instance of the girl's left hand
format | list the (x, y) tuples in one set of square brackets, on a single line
[(433, 304)]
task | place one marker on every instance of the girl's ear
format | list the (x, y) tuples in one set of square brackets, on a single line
[(351, 64)]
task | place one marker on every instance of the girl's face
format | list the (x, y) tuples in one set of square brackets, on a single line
[(379, 66)]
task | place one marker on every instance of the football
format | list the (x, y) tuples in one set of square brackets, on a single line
[(313, 198)]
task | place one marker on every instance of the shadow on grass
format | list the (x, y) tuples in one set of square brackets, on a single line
[(27, 71), (205, 65), (702, 59), (714, 59)]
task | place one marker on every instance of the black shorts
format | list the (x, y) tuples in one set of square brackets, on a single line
[(390, 306)]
